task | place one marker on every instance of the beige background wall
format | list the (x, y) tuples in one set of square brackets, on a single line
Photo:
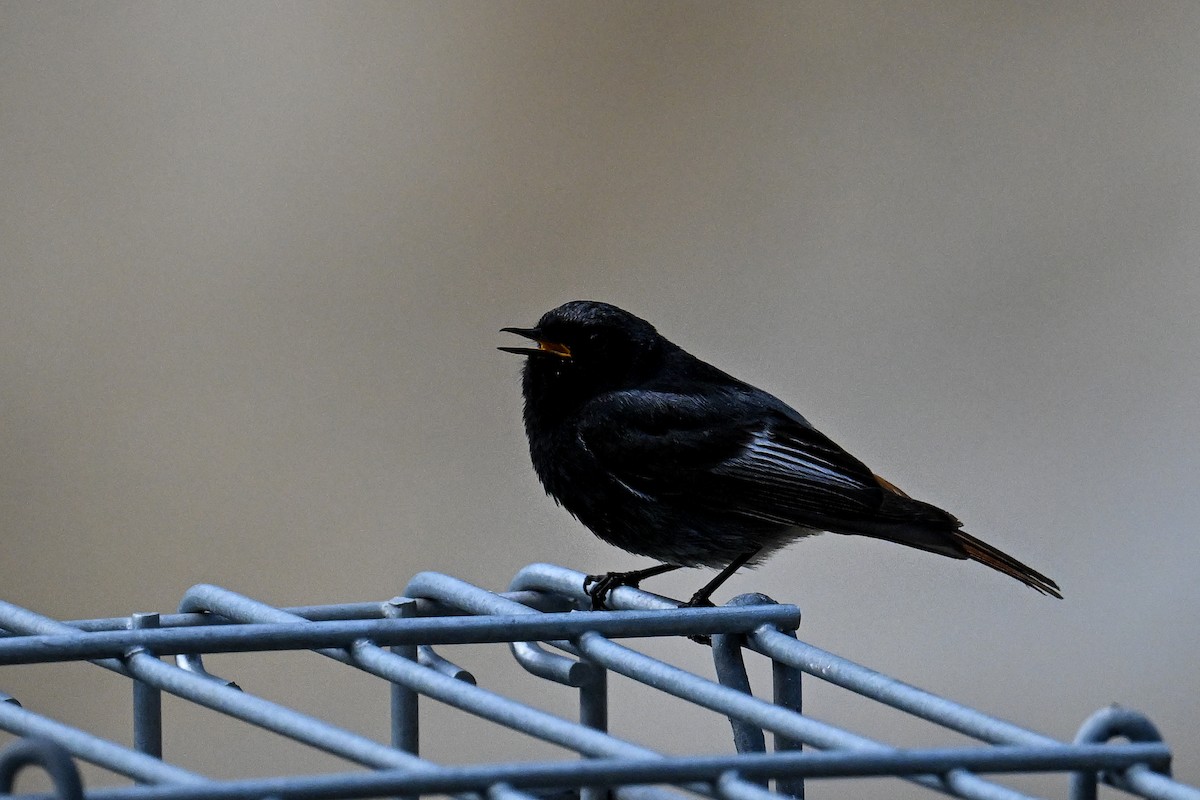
[(255, 257)]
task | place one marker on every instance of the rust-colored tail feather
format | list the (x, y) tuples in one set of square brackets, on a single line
[(984, 553)]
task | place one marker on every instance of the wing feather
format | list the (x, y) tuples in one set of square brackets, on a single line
[(746, 459)]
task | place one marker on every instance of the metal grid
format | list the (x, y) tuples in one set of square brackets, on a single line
[(394, 640)]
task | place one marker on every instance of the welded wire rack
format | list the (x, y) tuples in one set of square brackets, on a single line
[(540, 619)]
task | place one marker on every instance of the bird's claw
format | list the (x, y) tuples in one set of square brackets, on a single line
[(699, 602), (598, 587)]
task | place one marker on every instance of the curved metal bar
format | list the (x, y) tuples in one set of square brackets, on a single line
[(731, 671), (428, 657), (530, 655), (539, 661), (1114, 722), (47, 754), (552, 578), (194, 663)]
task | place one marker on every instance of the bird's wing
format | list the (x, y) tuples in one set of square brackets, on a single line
[(729, 454)]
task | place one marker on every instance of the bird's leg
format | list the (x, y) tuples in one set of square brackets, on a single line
[(597, 587), (700, 598)]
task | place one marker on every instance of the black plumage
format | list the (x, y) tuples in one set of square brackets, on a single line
[(666, 456)]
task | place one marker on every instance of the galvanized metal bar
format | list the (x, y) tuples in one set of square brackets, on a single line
[(405, 716), (194, 663), (551, 578), (358, 634), (228, 700), (74, 645), (733, 704), (370, 657), (147, 702), (93, 749), (890, 691), (788, 693), (1115, 721), (854, 677), (731, 785), (715, 697), (551, 666), (593, 700), (297, 726), (405, 710), (590, 679), (121, 623), (542, 576), (593, 713), (428, 657), (28, 624), (645, 792), (367, 655), (273, 717), (731, 672), (468, 597), (502, 791), (539, 601), (1098, 727), (47, 754), (481, 702), (612, 772), (785, 684), (1152, 784), (827, 666)]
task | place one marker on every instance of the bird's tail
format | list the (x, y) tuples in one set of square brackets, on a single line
[(929, 528), (984, 553)]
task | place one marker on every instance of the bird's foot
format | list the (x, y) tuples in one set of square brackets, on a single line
[(603, 584), (598, 587), (699, 600)]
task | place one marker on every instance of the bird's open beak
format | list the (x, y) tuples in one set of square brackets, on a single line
[(544, 347)]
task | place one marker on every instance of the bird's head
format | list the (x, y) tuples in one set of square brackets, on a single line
[(585, 348)]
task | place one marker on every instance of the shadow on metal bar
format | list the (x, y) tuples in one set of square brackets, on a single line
[(551, 640)]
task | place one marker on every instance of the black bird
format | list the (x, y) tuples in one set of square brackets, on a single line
[(666, 456)]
